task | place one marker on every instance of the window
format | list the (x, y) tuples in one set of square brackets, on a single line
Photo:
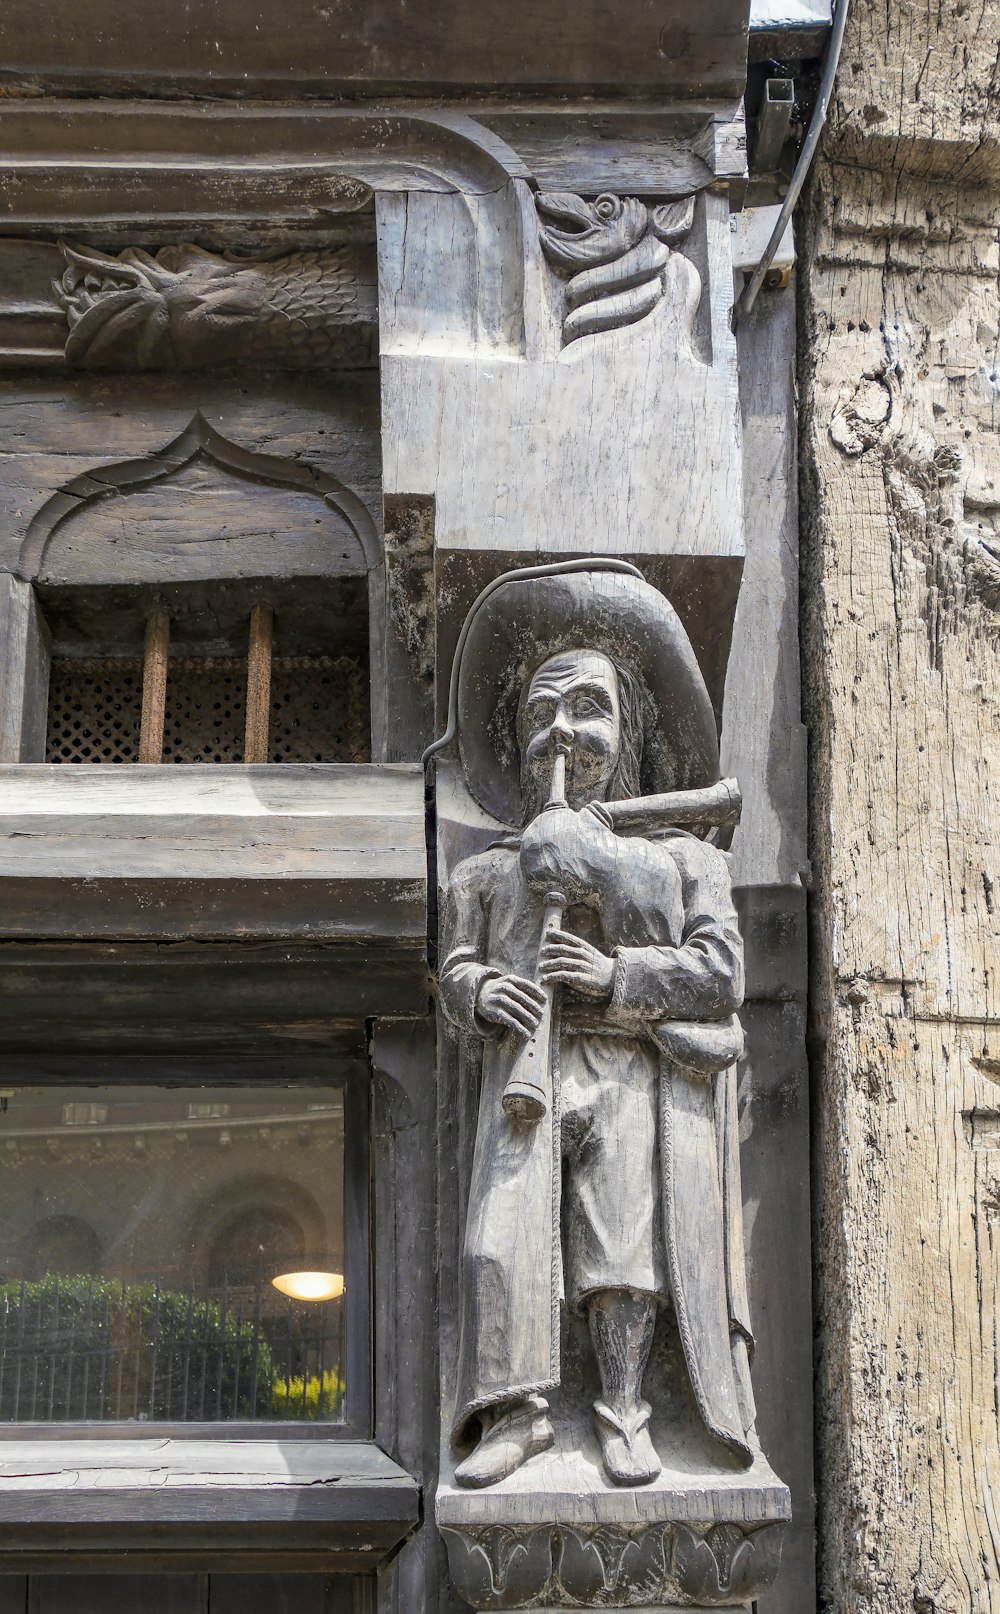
[(182, 1256), (226, 672)]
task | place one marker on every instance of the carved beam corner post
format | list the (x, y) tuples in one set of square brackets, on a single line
[(599, 1443)]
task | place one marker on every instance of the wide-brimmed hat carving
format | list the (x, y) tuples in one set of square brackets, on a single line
[(525, 622)]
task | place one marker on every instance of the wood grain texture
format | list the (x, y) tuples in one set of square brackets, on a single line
[(313, 851), (258, 720), (377, 49), (24, 673), (901, 314), (763, 740), (186, 1502), (53, 431), (105, 1003), (155, 668)]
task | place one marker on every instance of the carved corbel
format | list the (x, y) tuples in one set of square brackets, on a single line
[(613, 254)]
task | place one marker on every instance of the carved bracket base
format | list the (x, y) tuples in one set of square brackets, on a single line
[(675, 1608), (659, 1567), (556, 1535)]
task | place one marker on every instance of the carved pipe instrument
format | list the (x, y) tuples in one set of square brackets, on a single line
[(528, 1092)]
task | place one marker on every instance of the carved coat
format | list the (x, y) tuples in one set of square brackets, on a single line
[(668, 917)]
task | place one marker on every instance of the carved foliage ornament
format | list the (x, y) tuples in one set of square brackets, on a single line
[(185, 307), (501, 1567), (614, 253)]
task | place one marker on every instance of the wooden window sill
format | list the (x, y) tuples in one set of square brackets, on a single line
[(193, 1504), (321, 852)]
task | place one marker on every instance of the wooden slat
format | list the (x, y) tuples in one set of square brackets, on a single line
[(119, 1594), (313, 1503), (310, 852), (154, 687), (258, 707), (383, 47)]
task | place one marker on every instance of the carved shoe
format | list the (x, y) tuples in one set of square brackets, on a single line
[(629, 1457), (521, 1433)]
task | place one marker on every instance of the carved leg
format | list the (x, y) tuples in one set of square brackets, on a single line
[(510, 1435), (621, 1327)]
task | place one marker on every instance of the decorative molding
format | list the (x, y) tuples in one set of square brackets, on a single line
[(197, 439), (633, 1566), (183, 307), (613, 254)]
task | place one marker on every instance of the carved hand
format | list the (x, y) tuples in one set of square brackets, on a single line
[(573, 852), (575, 963), (512, 1002)]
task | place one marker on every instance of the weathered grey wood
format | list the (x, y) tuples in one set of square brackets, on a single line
[(186, 1498), (119, 1594), (54, 431), (614, 150), (184, 308), (383, 49), (774, 1124), (274, 1594), (404, 1107), (763, 739), (72, 538), (901, 466), (408, 628), (321, 851), (104, 1000), (24, 672), (606, 391)]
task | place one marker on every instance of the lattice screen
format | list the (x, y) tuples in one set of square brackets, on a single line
[(319, 709)]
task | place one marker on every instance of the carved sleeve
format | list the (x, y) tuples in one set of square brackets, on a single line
[(702, 979), (466, 930)]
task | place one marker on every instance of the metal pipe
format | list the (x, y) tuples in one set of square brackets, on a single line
[(748, 296)]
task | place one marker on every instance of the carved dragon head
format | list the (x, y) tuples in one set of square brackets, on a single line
[(187, 307), (162, 308), (613, 252)]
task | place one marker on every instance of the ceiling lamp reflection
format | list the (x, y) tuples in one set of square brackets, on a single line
[(310, 1285)]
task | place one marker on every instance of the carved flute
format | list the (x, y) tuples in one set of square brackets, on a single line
[(528, 1092)]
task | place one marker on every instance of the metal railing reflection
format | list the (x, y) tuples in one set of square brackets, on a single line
[(96, 1349)]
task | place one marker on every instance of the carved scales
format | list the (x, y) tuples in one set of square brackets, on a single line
[(187, 308)]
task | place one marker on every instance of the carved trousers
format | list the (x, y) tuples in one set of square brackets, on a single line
[(612, 1197)]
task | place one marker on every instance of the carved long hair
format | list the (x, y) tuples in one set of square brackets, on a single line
[(626, 780)]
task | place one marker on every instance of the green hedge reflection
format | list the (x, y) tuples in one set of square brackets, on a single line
[(81, 1348)]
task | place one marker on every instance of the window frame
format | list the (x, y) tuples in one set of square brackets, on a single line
[(352, 1075)]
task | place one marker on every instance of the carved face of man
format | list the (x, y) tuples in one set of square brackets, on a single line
[(573, 701)]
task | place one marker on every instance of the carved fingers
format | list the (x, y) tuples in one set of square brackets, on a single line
[(573, 962), (512, 1002)]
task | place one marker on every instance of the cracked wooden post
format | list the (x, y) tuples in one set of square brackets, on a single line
[(902, 583)]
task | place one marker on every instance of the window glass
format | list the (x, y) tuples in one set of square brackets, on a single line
[(172, 1255)]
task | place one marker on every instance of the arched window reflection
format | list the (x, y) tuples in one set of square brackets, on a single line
[(64, 1246)]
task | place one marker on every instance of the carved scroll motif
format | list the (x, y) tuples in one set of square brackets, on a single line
[(614, 254), (187, 308)]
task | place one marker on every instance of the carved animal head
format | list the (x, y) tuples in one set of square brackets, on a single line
[(154, 309), (613, 252)]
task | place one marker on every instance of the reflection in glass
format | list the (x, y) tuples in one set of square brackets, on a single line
[(142, 1230)]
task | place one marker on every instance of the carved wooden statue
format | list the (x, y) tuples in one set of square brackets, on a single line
[(602, 968)]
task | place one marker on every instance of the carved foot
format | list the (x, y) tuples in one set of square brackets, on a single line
[(628, 1452), (517, 1434)]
